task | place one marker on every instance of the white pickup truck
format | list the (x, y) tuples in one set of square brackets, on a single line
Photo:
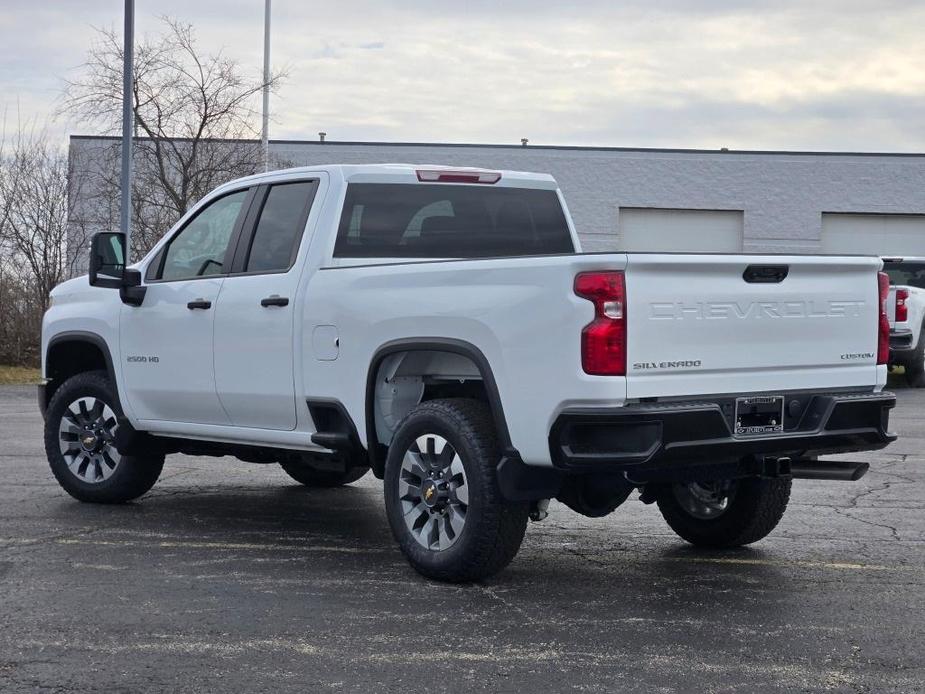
[(906, 310), (442, 328)]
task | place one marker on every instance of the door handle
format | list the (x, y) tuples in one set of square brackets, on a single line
[(199, 303), (275, 300)]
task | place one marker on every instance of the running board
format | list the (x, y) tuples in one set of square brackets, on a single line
[(332, 440), (828, 470)]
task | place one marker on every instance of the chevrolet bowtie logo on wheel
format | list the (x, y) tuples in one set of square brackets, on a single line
[(429, 493)]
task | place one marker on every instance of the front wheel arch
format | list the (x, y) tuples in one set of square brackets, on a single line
[(73, 352)]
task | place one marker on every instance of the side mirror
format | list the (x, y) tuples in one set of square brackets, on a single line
[(107, 260), (107, 268)]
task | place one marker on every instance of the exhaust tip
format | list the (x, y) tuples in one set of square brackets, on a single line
[(828, 470)]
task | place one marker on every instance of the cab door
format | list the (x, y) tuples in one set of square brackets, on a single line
[(255, 316), (166, 343)]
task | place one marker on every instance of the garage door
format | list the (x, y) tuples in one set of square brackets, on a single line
[(873, 234), (708, 231)]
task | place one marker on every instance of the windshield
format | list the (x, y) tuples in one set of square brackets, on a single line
[(910, 274)]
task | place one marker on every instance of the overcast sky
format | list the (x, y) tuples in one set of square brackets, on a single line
[(764, 74)]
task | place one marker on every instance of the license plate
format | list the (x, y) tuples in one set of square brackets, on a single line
[(762, 414)]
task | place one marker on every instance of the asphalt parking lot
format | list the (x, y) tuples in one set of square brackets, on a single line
[(230, 577)]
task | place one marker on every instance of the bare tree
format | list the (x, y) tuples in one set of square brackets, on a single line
[(35, 208), (195, 116)]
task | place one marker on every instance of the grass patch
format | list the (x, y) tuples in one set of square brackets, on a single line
[(18, 375)]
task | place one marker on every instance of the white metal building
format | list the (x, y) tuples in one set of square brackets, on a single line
[(686, 200)]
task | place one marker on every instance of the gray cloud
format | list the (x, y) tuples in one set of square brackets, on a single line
[(776, 74)]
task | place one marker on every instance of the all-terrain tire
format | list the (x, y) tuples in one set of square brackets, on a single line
[(753, 512), (493, 529), (132, 476)]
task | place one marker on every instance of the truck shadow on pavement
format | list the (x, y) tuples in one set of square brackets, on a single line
[(345, 529), (346, 514)]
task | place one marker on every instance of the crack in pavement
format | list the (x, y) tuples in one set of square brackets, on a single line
[(853, 505)]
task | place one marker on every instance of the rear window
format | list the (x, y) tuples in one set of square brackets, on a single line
[(906, 273), (450, 221), (282, 220)]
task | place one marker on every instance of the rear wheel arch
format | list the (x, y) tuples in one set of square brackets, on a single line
[(480, 383), (71, 353)]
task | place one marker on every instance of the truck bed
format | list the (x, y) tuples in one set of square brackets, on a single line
[(695, 327)]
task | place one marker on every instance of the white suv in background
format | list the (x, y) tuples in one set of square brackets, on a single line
[(907, 316)]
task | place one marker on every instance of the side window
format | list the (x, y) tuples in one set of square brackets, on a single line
[(199, 249), (280, 227)]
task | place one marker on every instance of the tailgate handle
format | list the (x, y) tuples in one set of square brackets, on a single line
[(765, 274)]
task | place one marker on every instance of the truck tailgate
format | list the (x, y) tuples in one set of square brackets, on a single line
[(697, 326)]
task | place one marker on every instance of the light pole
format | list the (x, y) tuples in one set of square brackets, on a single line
[(128, 52), (265, 134)]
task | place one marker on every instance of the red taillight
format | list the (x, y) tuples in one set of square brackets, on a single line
[(883, 344), (902, 309), (434, 176), (603, 340)]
